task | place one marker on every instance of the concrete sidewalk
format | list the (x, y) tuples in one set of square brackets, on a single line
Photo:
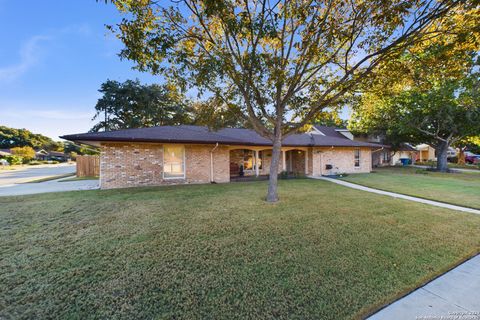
[(400, 196), (454, 295)]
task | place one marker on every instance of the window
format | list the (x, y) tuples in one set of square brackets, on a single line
[(357, 157), (386, 156), (173, 162)]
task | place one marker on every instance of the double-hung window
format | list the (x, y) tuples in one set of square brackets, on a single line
[(173, 162), (357, 157)]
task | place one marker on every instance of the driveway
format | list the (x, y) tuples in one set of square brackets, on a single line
[(11, 177), (13, 183)]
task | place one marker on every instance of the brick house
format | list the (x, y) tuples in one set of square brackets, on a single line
[(193, 154)]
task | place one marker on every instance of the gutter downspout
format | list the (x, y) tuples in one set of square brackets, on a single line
[(211, 163)]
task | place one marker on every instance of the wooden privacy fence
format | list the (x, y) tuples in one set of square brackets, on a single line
[(88, 166)]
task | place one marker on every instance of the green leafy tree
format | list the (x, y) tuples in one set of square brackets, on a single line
[(282, 62), (11, 138), (430, 94), (131, 104), (215, 114), (79, 149)]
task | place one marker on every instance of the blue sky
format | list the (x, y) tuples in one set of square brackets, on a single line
[(53, 57)]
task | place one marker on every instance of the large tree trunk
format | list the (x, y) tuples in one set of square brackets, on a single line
[(442, 164), (272, 195)]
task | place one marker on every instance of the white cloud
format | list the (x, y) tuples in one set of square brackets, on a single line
[(28, 58), (30, 50)]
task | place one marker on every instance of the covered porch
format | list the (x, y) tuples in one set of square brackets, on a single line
[(248, 161)]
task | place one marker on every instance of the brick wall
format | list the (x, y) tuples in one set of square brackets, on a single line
[(141, 164), (342, 160)]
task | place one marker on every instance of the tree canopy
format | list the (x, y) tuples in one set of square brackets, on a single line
[(11, 138), (281, 62), (131, 104), (429, 94)]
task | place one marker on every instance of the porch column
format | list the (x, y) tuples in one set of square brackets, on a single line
[(306, 162), (256, 163), (284, 161)]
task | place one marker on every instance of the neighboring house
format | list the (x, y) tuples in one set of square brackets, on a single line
[(57, 156), (405, 151), (41, 154), (426, 153), (194, 154), (5, 152), (386, 156)]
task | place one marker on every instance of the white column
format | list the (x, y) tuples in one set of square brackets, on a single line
[(306, 162), (284, 161), (256, 163), (290, 166)]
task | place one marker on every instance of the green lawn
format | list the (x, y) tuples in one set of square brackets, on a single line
[(456, 188), (221, 252)]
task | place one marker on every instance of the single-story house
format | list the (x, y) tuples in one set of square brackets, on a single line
[(5, 152), (57, 156), (428, 153), (405, 151), (41, 154), (388, 157), (194, 154)]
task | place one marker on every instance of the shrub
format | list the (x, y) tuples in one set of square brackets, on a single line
[(453, 159), (13, 159), (34, 163), (27, 153), (283, 175)]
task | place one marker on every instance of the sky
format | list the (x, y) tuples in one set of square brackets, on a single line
[(54, 56)]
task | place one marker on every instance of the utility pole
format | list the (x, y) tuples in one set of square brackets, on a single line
[(106, 119)]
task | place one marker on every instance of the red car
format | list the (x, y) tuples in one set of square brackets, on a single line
[(472, 158)]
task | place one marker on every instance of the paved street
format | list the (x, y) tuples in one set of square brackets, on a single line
[(11, 177), (14, 182)]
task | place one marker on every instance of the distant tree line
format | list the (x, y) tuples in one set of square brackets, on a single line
[(11, 138), (23, 143)]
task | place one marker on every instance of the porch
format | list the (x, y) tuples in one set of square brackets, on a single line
[(246, 161)]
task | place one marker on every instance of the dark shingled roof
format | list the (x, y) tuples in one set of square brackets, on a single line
[(229, 136)]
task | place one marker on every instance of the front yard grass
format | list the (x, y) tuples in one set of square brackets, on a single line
[(455, 188), (221, 252)]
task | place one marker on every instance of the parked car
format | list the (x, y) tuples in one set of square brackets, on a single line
[(472, 158)]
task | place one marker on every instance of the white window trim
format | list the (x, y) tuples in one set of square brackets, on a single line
[(354, 158), (184, 163)]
